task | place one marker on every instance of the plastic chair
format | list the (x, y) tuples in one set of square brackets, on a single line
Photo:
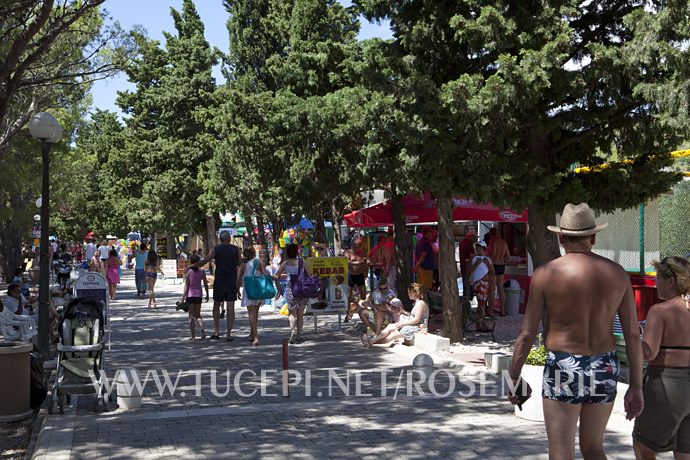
[(17, 327)]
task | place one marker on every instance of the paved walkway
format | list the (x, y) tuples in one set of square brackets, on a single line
[(323, 417)]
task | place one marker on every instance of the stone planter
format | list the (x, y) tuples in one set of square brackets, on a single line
[(532, 409), (15, 381)]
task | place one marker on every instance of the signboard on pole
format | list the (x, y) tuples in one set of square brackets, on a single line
[(169, 268), (334, 290)]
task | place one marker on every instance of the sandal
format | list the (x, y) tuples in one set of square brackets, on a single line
[(215, 337), (229, 338)]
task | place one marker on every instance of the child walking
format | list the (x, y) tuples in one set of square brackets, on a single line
[(192, 294)]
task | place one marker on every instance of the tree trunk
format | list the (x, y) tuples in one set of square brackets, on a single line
[(320, 230), (262, 230), (249, 226), (541, 243), (448, 272), (10, 250), (403, 249), (337, 235), (210, 241), (171, 245)]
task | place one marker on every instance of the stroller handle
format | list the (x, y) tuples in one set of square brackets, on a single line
[(79, 348)]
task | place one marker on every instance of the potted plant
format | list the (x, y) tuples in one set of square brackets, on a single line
[(533, 374)]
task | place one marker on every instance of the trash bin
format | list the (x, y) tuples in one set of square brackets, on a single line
[(513, 294), (15, 381)]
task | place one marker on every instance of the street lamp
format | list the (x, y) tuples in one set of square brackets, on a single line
[(44, 127)]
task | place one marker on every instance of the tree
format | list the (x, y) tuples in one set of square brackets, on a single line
[(166, 132), (51, 47), (506, 97), (96, 165)]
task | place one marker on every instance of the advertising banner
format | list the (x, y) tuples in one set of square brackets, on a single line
[(334, 290)]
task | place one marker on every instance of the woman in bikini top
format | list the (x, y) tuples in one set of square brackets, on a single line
[(666, 339)]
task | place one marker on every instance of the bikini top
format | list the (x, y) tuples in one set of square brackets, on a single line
[(674, 347)]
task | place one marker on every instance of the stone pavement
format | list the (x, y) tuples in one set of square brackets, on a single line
[(378, 413)]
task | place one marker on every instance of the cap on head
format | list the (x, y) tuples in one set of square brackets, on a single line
[(396, 303), (577, 220), (480, 244)]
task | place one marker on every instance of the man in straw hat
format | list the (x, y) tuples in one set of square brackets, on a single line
[(578, 296)]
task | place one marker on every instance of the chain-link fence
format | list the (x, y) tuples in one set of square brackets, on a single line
[(636, 237), (674, 219), (630, 233)]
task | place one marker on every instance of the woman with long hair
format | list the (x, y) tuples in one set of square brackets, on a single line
[(664, 424), (293, 265), (152, 267), (408, 325), (250, 267)]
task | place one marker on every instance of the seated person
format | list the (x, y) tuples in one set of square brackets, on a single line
[(16, 303), (407, 325), (376, 307), (23, 281)]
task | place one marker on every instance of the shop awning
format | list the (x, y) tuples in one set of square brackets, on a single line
[(422, 209)]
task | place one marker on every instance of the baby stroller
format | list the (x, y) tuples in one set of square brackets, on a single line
[(80, 354)]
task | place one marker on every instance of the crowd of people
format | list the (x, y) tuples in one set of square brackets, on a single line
[(577, 296)]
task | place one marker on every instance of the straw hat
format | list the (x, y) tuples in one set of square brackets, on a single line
[(577, 220)]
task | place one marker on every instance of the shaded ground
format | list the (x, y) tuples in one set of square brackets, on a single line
[(14, 439)]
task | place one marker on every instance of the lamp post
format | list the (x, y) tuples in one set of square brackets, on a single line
[(44, 127)]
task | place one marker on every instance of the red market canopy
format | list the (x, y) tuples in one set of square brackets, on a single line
[(422, 209)]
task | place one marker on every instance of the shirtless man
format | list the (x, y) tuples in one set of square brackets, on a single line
[(358, 268), (498, 252), (580, 293)]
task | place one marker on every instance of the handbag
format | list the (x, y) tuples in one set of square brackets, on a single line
[(303, 285), (259, 287)]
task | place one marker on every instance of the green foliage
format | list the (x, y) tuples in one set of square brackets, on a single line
[(537, 355), (50, 53), (165, 142)]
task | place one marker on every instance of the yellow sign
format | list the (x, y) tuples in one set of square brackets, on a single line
[(334, 290)]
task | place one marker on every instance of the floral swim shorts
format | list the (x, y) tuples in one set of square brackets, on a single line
[(581, 379), (481, 290)]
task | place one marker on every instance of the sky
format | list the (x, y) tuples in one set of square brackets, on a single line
[(154, 16)]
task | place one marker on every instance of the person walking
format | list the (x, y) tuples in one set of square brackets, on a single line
[(192, 294), (578, 294), (90, 249), (250, 267), (480, 272), (293, 266), (665, 421), (104, 252), (140, 268), (113, 272), (226, 257), (152, 267), (424, 254), (498, 252)]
